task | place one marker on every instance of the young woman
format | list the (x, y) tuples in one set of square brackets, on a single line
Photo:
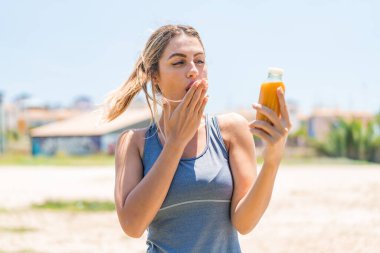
[(189, 178)]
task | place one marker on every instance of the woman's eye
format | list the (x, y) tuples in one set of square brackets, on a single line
[(182, 62)]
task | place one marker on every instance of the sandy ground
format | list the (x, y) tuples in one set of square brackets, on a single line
[(329, 209)]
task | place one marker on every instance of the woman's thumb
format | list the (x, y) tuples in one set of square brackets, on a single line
[(166, 110)]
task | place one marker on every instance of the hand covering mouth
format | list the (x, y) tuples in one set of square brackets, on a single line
[(189, 85)]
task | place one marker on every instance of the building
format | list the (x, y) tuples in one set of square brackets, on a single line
[(21, 116), (320, 121), (86, 133)]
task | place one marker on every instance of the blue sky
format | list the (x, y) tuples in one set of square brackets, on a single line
[(330, 50)]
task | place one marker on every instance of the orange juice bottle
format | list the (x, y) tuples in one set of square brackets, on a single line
[(268, 92)]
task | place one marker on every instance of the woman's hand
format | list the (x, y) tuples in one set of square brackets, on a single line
[(182, 124), (275, 134)]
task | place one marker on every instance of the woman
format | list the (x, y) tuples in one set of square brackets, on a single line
[(190, 178)]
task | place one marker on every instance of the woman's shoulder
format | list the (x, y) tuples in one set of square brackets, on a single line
[(136, 136), (229, 124), (229, 121)]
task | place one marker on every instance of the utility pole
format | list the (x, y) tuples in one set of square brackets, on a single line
[(2, 125)]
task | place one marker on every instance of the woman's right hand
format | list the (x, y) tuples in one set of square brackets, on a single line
[(182, 124)]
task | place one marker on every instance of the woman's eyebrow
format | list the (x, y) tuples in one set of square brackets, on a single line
[(182, 55)]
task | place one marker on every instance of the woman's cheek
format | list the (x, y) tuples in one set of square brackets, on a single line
[(204, 72)]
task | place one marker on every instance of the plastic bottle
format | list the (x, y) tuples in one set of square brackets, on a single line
[(268, 92)]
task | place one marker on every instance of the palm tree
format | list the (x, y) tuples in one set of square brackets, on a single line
[(353, 140)]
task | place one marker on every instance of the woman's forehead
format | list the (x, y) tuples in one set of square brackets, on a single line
[(183, 44)]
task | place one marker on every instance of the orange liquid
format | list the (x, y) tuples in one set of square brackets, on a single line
[(268, 97)]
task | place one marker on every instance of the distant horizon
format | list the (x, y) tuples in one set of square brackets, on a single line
[(58, 105)]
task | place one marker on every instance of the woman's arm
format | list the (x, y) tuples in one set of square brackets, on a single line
[(242, 160), (139, 198), (252, 206), (251, 195), (249, 208)]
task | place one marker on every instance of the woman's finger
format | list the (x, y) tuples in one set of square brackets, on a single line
[(166, 111), (203, 106), (263, 135), (284, 108), (198, 104), (268, 128), (196, 96), (189, 95), (271, 115)]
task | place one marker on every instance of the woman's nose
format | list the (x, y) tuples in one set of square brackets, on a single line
[(193, 71)]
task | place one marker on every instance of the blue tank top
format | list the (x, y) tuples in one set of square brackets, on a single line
[(195, 215)]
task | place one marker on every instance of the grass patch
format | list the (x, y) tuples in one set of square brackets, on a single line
[(3, 210), (58, 160), (17, 230), (323, 161), (19, 251), (76, 206), (108, 160)]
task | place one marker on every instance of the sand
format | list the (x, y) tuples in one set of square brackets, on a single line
[(334, 209)]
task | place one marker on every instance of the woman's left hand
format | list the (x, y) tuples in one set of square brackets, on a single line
[(274, 135)]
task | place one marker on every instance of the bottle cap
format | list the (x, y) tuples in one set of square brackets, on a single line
[(275, 71)]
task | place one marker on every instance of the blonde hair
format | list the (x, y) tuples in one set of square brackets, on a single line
[(144, 70)]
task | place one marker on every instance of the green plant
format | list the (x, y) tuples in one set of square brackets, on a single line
[(76, 205), (351, 139)]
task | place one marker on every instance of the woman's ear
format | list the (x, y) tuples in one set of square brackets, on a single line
[(155, 80)]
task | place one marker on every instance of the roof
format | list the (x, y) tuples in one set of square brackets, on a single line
[(326, 112), (34, 114), (91, 124)]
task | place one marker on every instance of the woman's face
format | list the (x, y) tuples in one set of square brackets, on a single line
[(182, 63)]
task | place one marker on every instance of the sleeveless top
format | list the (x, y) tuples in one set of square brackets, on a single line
[(195, 215)]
